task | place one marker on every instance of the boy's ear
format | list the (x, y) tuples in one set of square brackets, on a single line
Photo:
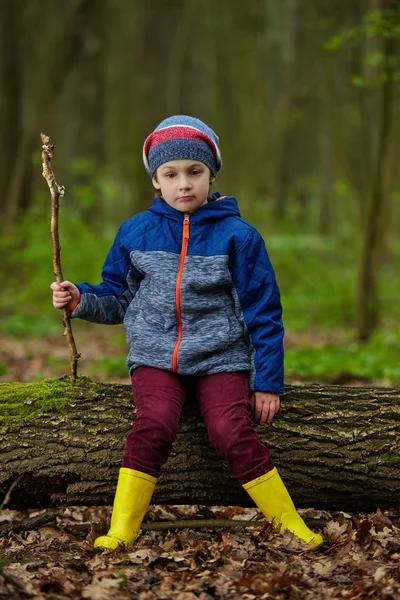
[(212, 179), (155, 183)]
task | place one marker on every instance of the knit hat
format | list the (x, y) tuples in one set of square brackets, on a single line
[(178, 138)]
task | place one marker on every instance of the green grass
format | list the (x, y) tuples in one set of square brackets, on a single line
[(378, 360), (318, 288), (318, 282), (113, 366), (317, 285)]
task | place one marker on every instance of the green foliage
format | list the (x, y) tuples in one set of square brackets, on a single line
[(379, 360), (5, 559), (317, 282), (317, 278), (380, 25), (390, 459), (377, 23), (358, 81), (123, 578), (26, 275), (316, 274), (113, 366)]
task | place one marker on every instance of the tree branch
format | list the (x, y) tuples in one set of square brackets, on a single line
[(56, 191)]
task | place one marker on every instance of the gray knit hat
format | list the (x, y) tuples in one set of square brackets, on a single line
[(182, 137)]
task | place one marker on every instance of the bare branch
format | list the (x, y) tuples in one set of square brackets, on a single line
[(56, 192), (7, 497), (17, 583), (46, 518)]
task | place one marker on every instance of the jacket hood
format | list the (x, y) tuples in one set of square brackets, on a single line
[(218, 208)]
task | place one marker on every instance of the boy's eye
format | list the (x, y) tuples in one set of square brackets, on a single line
[(170, 175), (195, 171)]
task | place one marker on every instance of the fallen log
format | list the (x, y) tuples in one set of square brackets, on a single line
[(335, 447)]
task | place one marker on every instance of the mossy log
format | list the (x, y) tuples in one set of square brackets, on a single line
[(335, 447)]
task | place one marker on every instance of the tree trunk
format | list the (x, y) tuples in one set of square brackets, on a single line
[(181, 39), (372, 245), (284, 117), (335, 447), (61, 56), (10, 97)]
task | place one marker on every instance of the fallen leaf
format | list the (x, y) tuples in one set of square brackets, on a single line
[(380, 520), (101, 588), (379, 574), (49, 533), (29, 401), (324, 568), (334, 531), (143, 556)]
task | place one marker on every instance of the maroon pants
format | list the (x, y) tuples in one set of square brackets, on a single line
[(224, 403)]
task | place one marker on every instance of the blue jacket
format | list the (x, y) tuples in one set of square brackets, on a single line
[(197, 294)]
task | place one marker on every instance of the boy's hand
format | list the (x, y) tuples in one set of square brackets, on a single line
[(266, 406), (65, 293)]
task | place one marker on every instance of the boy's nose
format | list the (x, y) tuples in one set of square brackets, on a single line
[(184, 183)]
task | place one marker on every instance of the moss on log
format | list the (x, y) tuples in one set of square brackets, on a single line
[(335, 447)]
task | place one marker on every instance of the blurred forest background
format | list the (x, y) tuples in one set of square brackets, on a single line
[(304, 95)]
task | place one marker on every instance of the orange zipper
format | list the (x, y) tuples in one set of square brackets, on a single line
[(185, 241)]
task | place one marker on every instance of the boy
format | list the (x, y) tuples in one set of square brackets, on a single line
[(193, 284)]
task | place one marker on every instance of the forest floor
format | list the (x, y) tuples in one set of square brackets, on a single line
[(360, 558), (30, 358), (103, 349)]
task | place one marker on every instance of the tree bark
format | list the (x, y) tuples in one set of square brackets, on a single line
[(335, 447)]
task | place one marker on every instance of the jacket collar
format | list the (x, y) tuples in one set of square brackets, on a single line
[(218, 208)]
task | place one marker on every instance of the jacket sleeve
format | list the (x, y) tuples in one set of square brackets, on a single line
[(107, 302), (258, 294)]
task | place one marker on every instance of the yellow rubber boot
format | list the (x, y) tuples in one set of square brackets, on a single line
[(132, 499), (273, 499)]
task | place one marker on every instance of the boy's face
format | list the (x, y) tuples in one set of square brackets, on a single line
[(184, 184)]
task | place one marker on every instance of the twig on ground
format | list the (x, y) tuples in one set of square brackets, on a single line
[(7, 497), (49, 517), (215, 524), (165, 525), (81, 528), (31, 523), (200, 523), (17, 583)]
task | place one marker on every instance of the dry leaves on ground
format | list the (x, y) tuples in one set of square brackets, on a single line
[(360, 559)]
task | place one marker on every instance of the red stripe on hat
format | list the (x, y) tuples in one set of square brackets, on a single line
[(177, 131)]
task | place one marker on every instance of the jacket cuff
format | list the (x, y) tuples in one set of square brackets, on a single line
[(77, 306)]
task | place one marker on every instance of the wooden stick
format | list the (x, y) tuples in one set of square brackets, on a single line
[(7, 497), (200, 523), (56, 191), (50, 518), (17, 583), (47, 518)]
